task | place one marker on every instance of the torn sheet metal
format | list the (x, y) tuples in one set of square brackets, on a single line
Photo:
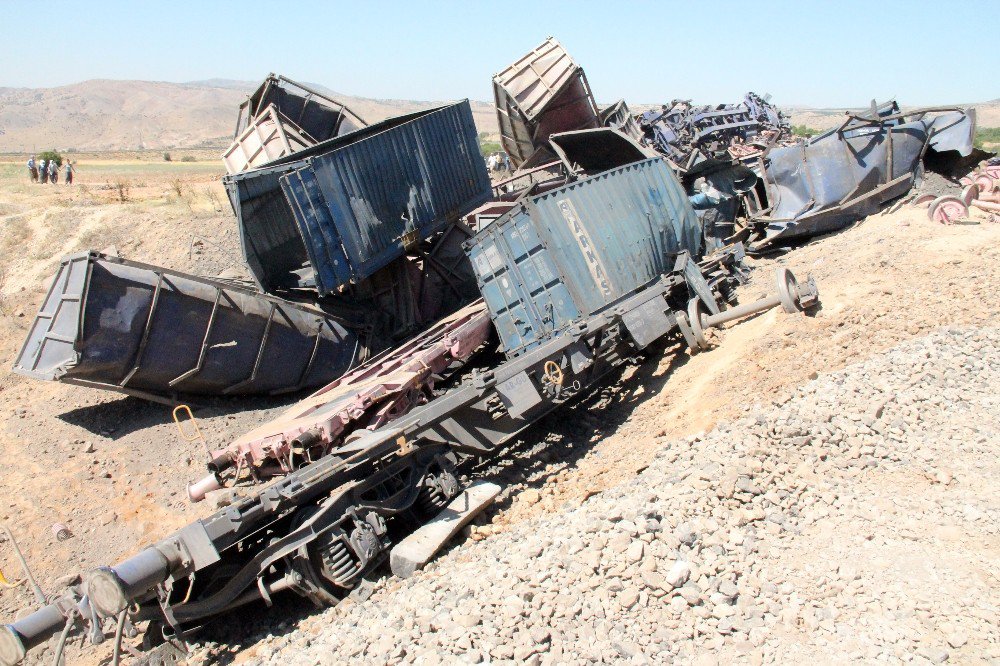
[(336, 213), (618, 116), (153, 332), (577, 249), (824, 183), (542, 93)]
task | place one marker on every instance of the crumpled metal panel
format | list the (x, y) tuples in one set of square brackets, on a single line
[(542, 93), (831, 180), (577, 249), (618, 116), (135, 328), (954, 131)]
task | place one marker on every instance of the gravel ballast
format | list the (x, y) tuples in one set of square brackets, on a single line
[(849, 521)]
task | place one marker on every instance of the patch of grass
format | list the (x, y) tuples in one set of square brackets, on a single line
[(487, 147), (986, 135), (804, 131), (213, 198)]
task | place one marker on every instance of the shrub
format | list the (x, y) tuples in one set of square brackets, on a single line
[(49, 155), (166, 157), (123, 187), (189, 158), (803, 130)]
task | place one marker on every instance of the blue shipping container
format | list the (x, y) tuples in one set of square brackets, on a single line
[(349, 206), (573, 251)]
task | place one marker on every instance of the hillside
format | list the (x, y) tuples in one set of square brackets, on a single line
[(136, 115), (101, 115), (987, 115)]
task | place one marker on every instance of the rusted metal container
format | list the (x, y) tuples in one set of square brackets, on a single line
[(543, 93), (576, 250)]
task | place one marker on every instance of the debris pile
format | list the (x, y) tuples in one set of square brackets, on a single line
[(614, 233), (690, 135), (980, 189)]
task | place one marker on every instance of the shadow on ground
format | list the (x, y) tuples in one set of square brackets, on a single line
[(118, 418)]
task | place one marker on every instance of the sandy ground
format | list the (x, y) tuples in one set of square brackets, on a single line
[(114, 470)]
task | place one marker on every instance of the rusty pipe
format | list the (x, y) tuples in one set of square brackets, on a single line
[(991, 206)]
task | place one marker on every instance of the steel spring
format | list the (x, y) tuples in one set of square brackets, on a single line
[(340, 563)]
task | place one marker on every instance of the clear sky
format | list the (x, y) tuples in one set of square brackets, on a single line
[(810, 52)]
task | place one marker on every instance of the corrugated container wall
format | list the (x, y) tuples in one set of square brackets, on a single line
[(573, 251), (351, 205)]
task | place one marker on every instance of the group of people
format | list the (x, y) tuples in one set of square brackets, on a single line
[(498, 162), (47, 171)]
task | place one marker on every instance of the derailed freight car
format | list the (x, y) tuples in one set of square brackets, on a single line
[(156, 333), (577, 249), (335, 213), (318, 530)]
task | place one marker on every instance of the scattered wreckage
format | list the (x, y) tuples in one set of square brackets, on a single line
[(448, 314), (750, 179), (581, 305)]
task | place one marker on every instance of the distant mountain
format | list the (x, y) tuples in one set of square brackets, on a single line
[(132, 115)]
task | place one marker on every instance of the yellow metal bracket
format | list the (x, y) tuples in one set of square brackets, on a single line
[(193, 434)]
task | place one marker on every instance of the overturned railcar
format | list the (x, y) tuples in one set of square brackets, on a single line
[(542, 93), (269, 136), (337, 212), (321, 117), (156, 333), (624, 236)]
